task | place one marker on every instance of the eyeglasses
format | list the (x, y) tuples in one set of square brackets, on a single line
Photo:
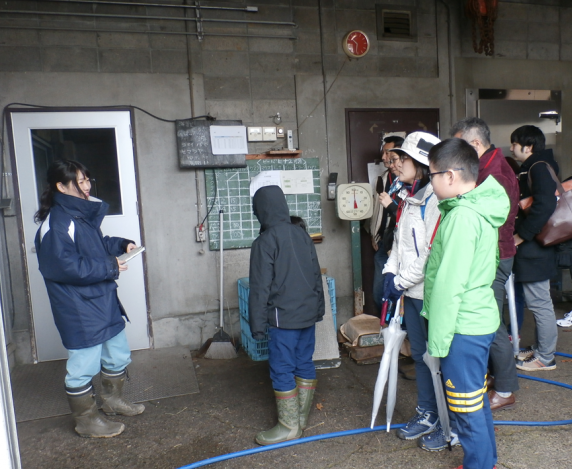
[(394, 160), (443, 172)]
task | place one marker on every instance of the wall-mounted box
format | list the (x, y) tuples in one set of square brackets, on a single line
[(269, 134), (280, 132), (254, 134)]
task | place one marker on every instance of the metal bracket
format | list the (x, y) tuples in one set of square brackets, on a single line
[(200, 31)]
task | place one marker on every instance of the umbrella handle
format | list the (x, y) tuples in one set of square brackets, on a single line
[(383, 313)]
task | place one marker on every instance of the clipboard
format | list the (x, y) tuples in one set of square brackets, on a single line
[(130, 255)]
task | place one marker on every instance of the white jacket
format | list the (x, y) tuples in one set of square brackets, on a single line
[(411, 243)]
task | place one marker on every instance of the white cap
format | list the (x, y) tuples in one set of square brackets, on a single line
[(417, 146)]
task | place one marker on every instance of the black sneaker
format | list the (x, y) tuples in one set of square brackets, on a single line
[(435, 441), (422, 423)]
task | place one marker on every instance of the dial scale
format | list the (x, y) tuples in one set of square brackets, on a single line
[(354, 201)]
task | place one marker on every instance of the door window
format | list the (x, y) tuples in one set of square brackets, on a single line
[(94, 148)]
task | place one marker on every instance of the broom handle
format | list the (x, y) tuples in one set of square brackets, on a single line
[(221, 294)]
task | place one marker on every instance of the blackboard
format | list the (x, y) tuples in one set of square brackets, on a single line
[(194, 145), (231, 193)]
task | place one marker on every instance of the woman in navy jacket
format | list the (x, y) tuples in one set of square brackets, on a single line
[(80, 266)]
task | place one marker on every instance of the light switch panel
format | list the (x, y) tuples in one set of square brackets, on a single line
[(269, 134), (254, 134)]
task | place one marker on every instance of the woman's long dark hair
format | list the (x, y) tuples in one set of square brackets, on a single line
[(64, 171), (421, 176)]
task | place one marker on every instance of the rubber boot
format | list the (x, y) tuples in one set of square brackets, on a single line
[(112, 395), (89, 423), (306, 388), (288, 426)]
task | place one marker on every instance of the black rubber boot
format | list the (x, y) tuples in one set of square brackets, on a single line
[(112, 394), (89, 423)]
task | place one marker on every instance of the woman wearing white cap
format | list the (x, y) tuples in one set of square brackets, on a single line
[(417, 222)]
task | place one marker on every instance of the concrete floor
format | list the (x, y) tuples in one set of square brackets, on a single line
[(236, 402)]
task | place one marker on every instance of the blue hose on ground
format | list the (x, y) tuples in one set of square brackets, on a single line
[(358, 431), (308, 439)]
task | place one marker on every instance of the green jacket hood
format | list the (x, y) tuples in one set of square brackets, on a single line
[(488, 199)]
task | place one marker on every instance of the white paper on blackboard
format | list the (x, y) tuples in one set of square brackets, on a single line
[(228, 140), (297, 181), (264, 178)]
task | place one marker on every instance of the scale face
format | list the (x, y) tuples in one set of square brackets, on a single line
[(354, 201)]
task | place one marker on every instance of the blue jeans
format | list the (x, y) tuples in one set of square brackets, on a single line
[(464, 374), (417, 332), (83, 364), (289, 355), (379, 260)]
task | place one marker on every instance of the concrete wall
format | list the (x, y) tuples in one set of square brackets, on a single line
[(309, 80), (533, 50)]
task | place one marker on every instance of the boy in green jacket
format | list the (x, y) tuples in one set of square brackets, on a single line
[(458, 300)]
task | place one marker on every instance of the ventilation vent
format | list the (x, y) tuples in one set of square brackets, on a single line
[(396, 24)]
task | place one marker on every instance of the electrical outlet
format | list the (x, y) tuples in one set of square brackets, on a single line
[(201, 233)]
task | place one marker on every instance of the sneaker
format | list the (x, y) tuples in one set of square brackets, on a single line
[(534, 364), (420, 424), (525, 353), (566, 321), (435, 441)]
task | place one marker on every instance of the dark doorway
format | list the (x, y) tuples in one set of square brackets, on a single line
[(95, 148), (364, 133)]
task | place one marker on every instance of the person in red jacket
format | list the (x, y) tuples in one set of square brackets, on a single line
[(493, 163)]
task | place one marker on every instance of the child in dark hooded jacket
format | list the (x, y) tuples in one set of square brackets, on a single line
[(287, 298)]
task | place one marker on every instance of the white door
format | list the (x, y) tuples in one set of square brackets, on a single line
[(102, 142)]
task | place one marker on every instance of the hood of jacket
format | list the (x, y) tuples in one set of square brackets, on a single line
[(270, 207), (544, 155), (488, 199), (421, 195), (92, 211)]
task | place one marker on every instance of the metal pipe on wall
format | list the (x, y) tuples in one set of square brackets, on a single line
[(144, 17), (182, 33), (250, 9)]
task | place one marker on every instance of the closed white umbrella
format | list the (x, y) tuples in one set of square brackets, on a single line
[(392, 382), (512, 313), (392, 339)]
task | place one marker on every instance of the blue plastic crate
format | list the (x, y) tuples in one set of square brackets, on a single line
[(258, 349), (332, 291)]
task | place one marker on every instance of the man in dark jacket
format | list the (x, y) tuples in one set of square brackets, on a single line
[(492, 162), (287, 297), (534, 264), (379, 225)]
